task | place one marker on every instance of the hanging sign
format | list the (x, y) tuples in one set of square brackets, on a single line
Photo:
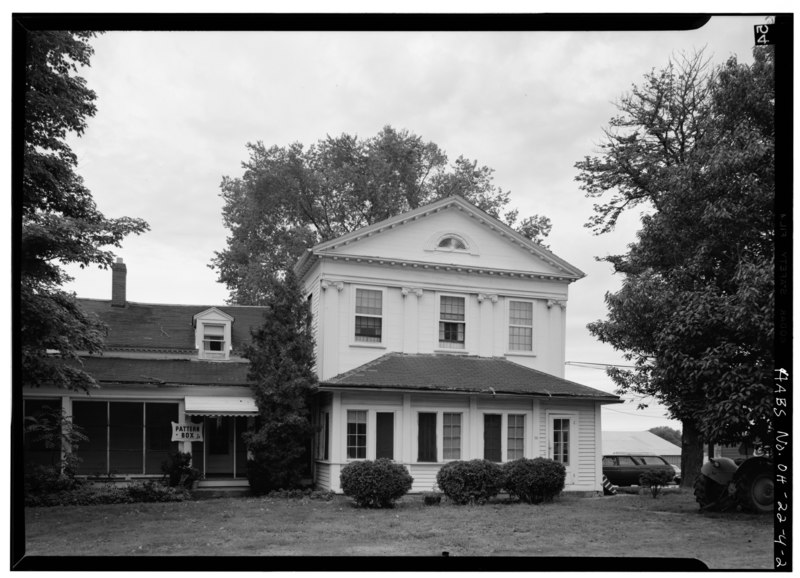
[(187, 432)]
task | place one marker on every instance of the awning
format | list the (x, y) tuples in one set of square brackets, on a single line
[(220, 406)]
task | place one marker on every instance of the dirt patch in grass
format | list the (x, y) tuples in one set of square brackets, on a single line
[(625, 525)]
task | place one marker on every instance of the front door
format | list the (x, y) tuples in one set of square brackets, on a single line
[(561, 443), (225, 452)]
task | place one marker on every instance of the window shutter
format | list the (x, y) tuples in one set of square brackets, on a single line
[(384, 444), (492, 449), (427, 437)]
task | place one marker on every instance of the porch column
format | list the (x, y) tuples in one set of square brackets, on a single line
[(471, 450), (337, 418), (407, 450), (185, 447)]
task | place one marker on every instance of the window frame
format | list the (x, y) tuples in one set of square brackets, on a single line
[(509, 325), (354, 342), (528, 443), (438, 347), (439, 411), (372, 433), (347, 446)]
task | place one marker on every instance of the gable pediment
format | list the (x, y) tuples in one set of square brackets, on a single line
[(212, 315), (450, 232)]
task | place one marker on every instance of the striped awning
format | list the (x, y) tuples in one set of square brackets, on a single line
[(220, 406)]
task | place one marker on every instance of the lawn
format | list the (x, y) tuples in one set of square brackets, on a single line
[(615, 526)]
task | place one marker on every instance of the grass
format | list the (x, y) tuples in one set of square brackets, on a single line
[(625, 525)]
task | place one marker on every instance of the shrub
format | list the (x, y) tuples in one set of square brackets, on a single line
[(534, 481), (86, 495), (41, 480), (655, 480), (375, 484), (470, 482), (178, 471), (308, 493)]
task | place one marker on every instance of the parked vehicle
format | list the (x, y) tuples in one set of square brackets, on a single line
[(625, 469)]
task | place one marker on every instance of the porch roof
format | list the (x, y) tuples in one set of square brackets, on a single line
[(460, 373)]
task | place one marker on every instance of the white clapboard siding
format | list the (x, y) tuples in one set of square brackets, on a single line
[(424, 476)]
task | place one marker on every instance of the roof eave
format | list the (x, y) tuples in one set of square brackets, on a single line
[(327, 386)]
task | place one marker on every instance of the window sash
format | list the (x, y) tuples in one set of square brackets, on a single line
[(452, 308), (451, 436), (520, 326), (369, 302), (369, 329), (356, 434), (516, 437)]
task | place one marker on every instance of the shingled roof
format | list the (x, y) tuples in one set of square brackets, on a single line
[(157, 327), (108, 369), (469, 374)]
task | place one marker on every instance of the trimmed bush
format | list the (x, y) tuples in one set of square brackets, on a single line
[(375, 484), (656, 479), (535, 481), (470, 482)]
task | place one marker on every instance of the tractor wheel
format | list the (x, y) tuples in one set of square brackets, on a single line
[(709, 494), (755, 488)]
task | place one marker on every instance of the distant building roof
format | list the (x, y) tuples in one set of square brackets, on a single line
[(470, 374), (157, 327), (637, 442)]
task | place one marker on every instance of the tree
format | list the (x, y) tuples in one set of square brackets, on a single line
[(695, 310), (291, 198), (281, 369), (60, 221), (673, 436)]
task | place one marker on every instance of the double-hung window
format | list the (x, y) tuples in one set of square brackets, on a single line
[(452, 322), (515, 448), (451, 436), (430, 438), (520, 326), (356, 434), (369, 315), (493, 430)]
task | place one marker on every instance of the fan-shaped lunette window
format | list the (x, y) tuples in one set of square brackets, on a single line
[(452, 243)]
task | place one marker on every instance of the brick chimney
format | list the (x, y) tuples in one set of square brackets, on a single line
[(118, 274)]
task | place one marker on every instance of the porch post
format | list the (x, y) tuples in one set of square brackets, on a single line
[(337, 417)]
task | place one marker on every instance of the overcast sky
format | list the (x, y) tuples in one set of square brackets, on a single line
[(176, 109)]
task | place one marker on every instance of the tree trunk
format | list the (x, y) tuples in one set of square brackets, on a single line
[(691, 454)]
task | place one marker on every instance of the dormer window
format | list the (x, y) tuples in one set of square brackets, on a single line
[(451, 243), (212, 331), (213, 338)]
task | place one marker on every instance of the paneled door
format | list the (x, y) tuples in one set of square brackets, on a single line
[(562, 437)]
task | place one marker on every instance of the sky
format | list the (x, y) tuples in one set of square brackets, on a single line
[(175, 111)]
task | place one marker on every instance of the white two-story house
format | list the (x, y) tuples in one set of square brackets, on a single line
[(440, 335)]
